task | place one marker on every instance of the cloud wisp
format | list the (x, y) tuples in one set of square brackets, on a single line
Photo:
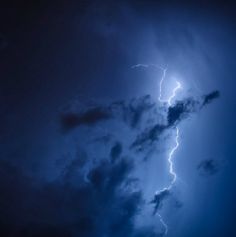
[(208, 167)]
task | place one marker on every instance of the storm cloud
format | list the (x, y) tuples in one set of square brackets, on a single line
[(176, 113), (88, 118), (148, 137), (130, 112)]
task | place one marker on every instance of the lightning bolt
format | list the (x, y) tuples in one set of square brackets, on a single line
[(163, 223), (173, 150)]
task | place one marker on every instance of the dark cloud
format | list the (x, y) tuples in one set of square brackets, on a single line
[(180, 110), (131, 112), (147, 137), (136, 108), (89, 118), (210, 97), (208, 167), (159, 198), (116, 151), (175, 114)]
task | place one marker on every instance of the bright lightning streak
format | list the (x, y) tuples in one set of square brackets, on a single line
[(170, 157), (140, 65), (169, 100), (163, 223), (173, 150), (174, 93)]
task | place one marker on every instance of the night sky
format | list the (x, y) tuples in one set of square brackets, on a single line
[(86, 128)]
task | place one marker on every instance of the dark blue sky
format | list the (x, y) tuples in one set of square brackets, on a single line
[(84, 140)]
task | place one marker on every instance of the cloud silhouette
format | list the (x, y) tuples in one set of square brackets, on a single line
[(175, 114), (116, 151), (89, 118), (147, 137), (210, 97), (159, 198), (130, 112)]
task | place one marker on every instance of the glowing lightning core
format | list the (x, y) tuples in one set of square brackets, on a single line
[(170, 156), (174, 93), (172, 151)]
